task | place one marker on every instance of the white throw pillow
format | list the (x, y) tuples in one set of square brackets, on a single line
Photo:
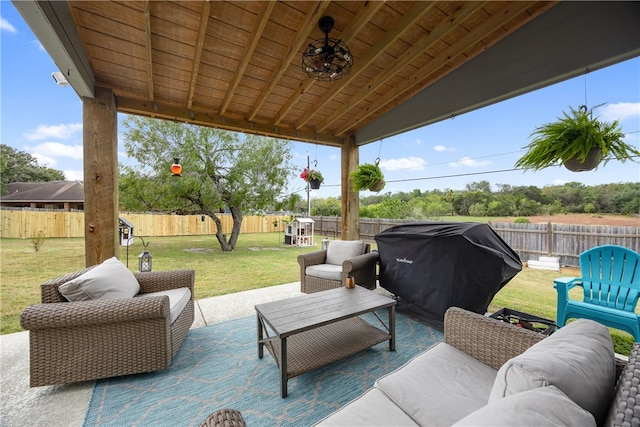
[(341, 250), (544, 406), (578, 360), (109, 280)]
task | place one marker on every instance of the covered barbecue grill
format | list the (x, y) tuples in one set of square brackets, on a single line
[(432, 266)]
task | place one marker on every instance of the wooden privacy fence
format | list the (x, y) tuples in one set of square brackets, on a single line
[(530, 241), (21, 224)]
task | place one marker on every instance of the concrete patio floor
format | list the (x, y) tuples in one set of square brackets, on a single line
[(66, 405)]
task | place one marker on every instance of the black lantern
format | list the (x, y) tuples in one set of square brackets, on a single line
[(144, 262), (145, 258)]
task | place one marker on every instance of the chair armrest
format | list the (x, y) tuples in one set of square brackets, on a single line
[(359, 262), (312, 258), (155, 281), (96, 312), (488, 340), (564, 284)]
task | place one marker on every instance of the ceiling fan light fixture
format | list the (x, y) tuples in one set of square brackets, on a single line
[(327, 59)]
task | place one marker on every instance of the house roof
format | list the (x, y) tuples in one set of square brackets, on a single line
[(236, 65), (43, 192)]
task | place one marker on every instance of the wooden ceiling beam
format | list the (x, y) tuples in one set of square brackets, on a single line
[(310, 21), (256, 34), (202, 32), (147, 26), (417, 11), (446, 57), (155, 110), (362, 19), (449, 24)]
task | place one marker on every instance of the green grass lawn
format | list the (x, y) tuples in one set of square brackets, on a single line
[(260, 260)]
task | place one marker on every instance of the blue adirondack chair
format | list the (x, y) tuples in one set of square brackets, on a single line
[(611, 283)]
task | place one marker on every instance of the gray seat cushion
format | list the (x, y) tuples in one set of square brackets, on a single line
[(439, 386), (178, 299), (371, 409), (324, 271)]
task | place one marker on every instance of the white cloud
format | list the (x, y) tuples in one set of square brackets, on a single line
[(61, 131), (443, 148), (403, 163), (56, 149), (74, 175), (559, 181), (45, 160), (6, 26), (469, 162), (619, 111)]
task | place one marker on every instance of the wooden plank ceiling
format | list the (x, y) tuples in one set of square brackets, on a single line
[(237, 65)]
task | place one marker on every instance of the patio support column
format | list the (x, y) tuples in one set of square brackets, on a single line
[(100, 147), (350, 198)]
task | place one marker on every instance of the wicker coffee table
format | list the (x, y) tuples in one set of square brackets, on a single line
[(310, 331)]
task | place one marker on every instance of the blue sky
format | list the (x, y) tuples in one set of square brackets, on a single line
[(44, 119)]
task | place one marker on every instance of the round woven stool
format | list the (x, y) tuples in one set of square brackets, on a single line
[(224, 418)]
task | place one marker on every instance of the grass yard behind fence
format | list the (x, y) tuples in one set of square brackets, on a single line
[(259, 260)]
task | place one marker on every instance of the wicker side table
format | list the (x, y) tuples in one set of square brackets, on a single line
[(224, 418)]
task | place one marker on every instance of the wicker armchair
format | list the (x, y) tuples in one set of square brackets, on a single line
[(361, 267), (88, 340)]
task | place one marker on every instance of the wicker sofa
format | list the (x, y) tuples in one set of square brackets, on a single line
[(88, 340), (489, 373), (319, 271)]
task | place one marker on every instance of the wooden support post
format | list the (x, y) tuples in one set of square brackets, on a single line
[(100, 145), (350, 198)]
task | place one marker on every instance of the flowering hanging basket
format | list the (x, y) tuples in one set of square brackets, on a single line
[(313, 177)]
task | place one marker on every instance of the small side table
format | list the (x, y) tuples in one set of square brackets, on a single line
[(525, 320), (224, 418)]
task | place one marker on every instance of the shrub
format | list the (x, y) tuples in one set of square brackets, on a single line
[(522, 220), (37, 239)]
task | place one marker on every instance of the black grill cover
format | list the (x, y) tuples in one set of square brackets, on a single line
[(437, 265)]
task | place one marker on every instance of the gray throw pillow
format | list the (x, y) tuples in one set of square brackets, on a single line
[(109, 280), (542, 406), (341, 250), (578, 360)]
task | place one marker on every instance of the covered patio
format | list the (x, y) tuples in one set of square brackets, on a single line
[(237, 66)]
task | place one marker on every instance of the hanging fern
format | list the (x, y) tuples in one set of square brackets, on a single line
[(574, 136), (368, 176)]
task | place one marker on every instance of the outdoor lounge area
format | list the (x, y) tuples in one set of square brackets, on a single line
[(66, 405), (236, 66), (469, 347)]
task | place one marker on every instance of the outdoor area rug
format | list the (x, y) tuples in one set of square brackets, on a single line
[(218, 367)]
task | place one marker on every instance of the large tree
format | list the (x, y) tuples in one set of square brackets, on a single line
[(20, 166), (222, 171)]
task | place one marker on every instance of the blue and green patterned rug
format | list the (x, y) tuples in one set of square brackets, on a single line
[(218, 367)]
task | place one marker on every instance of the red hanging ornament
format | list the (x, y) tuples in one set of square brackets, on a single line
[(176, 168)]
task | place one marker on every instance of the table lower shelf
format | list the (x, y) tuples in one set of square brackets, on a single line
[(321, 346)]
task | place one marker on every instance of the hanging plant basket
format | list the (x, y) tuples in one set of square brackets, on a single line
[(313, 177), (368, 177), (579, 141), (591, 162), (315, 184)]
